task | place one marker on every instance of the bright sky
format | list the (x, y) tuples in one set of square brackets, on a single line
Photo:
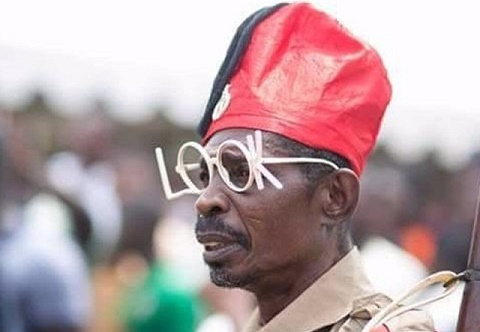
[(138, 53)]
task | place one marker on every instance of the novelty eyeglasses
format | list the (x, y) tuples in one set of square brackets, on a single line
[(238, 165)]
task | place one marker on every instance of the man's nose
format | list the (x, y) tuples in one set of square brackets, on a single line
[(213, 200)]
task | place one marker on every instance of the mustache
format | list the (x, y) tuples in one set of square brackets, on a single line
[(214, 224)]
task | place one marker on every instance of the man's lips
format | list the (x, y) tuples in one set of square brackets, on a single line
[(215, 240), (218, 246)]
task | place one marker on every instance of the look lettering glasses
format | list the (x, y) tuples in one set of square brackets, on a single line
[(238, 165)]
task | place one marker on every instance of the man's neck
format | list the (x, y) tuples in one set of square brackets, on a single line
[(281, 290)]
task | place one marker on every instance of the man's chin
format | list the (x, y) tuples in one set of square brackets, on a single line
[(223, 277)]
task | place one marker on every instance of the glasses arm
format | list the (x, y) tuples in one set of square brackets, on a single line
[(287, 160)]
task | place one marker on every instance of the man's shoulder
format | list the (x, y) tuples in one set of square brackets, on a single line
[(366, 308)]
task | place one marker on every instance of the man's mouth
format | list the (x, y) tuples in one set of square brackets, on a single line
[(218, 247), (212, 246)]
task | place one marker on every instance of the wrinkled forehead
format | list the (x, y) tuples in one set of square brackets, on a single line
[(240, 135), (224, 135), (220, 137)]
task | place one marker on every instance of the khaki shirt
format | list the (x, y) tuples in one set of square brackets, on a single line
[(341, 300)]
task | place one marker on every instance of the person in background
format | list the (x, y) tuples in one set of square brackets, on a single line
[(385, 193), (84, 172), (44, 277)]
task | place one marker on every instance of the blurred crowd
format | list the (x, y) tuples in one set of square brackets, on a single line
[(87, 242)]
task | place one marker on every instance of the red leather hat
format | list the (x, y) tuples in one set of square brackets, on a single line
[(304, 76)]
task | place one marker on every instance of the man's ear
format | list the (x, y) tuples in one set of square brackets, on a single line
[(339, 194)]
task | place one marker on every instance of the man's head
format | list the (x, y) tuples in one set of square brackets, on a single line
[(293, 114), (257, 237)]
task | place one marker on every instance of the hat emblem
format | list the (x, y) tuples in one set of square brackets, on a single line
[(222, 104)]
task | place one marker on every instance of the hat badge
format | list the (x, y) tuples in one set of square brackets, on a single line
[(222, 104)]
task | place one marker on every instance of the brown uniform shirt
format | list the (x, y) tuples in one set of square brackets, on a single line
[(341, 300)]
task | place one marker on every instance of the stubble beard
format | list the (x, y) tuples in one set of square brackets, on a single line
[(221, 277)]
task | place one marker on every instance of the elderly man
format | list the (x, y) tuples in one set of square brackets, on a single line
[(293, 114)]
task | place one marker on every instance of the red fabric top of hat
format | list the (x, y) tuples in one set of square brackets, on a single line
[(304, 76)]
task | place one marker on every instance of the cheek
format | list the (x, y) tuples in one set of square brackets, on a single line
[(269, 213), (278, 243), (277, 221), (273, 217)]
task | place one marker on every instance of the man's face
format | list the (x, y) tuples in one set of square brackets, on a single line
[(257, 236)]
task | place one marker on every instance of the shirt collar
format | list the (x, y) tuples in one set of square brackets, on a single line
[(325, 302)]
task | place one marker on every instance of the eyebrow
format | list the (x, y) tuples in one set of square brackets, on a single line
[(234, 153)]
